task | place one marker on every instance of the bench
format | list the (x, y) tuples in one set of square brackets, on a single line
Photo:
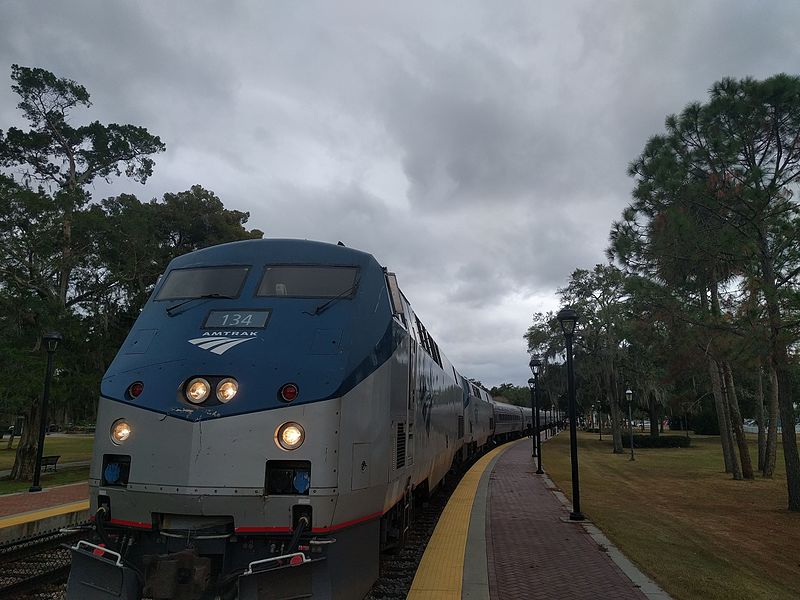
[(49, 461)]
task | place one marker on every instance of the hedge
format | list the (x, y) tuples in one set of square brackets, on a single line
[(662, 441)]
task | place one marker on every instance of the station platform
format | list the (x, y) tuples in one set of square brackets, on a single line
[(506, 534), (26, 514)]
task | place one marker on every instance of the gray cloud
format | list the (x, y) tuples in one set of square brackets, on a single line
[(478, 151)]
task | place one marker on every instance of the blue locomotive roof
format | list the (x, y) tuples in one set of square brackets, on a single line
[(275, 250), (256, 331)]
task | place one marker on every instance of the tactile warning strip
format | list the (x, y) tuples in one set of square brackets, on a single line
[(441, 570)]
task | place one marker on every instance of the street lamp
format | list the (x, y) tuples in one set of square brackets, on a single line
[(568, 318), (536, 367), (50, 341), (629, 397), (532, 386)]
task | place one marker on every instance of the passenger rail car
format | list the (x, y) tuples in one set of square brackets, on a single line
[(264, 427)]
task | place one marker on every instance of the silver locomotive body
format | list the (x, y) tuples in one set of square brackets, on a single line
[(205, 500)]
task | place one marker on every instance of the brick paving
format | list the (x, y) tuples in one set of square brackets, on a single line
[(12, 504), (532, 553)]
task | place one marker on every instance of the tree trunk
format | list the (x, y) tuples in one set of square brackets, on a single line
[(652, 406), (778, 353), (731, 466), (790, 454), (761, 420), (736, 421), (614, 413), (25, 458), (616, 423), (737, 470), (772, 430)]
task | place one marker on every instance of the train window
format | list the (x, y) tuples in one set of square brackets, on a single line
[(437, 356), (309, 281), (204, 281), (395, 297), (423, 335)]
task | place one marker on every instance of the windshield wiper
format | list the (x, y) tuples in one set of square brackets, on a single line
[(325, 305), (174, 307)]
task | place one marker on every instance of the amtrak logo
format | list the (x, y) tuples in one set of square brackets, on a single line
[(218, 344)]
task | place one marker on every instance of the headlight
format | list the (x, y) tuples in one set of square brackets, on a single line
[(197, 390), (120, 431), (226, 389), (290, 436)]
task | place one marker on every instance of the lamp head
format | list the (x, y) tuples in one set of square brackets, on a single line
[(531, 382), (628, 395), (51, 340), (568, 318), (535, 365)]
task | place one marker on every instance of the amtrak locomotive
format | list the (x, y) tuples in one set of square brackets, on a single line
[(265, 427)]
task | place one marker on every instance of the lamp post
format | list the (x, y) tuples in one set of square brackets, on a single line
[(568, 318), (50, 340), (532, 386), (629, 397), (536, 367)]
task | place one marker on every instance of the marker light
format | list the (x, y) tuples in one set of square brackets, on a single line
[(135, 389), (289, 392), (290, 436), (120, 431), (197, 390), (226, 389)]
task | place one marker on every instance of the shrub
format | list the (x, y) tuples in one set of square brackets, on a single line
[(662, 441), (705, 423)]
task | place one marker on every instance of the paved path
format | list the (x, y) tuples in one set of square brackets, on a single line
[(22, 502), (533, 550)]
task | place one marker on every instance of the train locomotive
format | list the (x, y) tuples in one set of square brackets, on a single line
[(266, 426)]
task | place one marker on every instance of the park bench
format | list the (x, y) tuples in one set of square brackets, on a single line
[(49, 461)]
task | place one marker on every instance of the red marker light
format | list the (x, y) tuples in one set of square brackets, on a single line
[(136, 388), (296, 560), (289, 392)]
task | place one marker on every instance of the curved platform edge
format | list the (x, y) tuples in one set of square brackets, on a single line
[(32, 523), (442, 572)]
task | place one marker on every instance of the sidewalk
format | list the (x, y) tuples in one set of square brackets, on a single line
[(23, 502), (534, 551)]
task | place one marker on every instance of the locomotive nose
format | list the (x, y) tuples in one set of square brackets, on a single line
[(275, 458)]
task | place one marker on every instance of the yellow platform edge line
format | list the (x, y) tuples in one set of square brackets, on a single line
[(38, 515), (441, 570)]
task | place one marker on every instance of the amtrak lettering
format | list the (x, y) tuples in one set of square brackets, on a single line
[(220, 342), (230, 333)]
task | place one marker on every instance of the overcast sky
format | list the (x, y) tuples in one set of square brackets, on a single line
[(477, 149)]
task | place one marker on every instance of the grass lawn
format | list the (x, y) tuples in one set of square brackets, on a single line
[(47, 480), (70, 447), (684, 521)]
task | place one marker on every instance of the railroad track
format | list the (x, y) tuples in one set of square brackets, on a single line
[(398, 570), (36, 567)]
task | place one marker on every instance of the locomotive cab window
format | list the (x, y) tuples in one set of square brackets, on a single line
[(204, 282), (307, 281)]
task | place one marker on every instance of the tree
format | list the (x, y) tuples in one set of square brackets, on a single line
[(67, 158), (83, 268), (714, 215), (600, 298), (518, 396)]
